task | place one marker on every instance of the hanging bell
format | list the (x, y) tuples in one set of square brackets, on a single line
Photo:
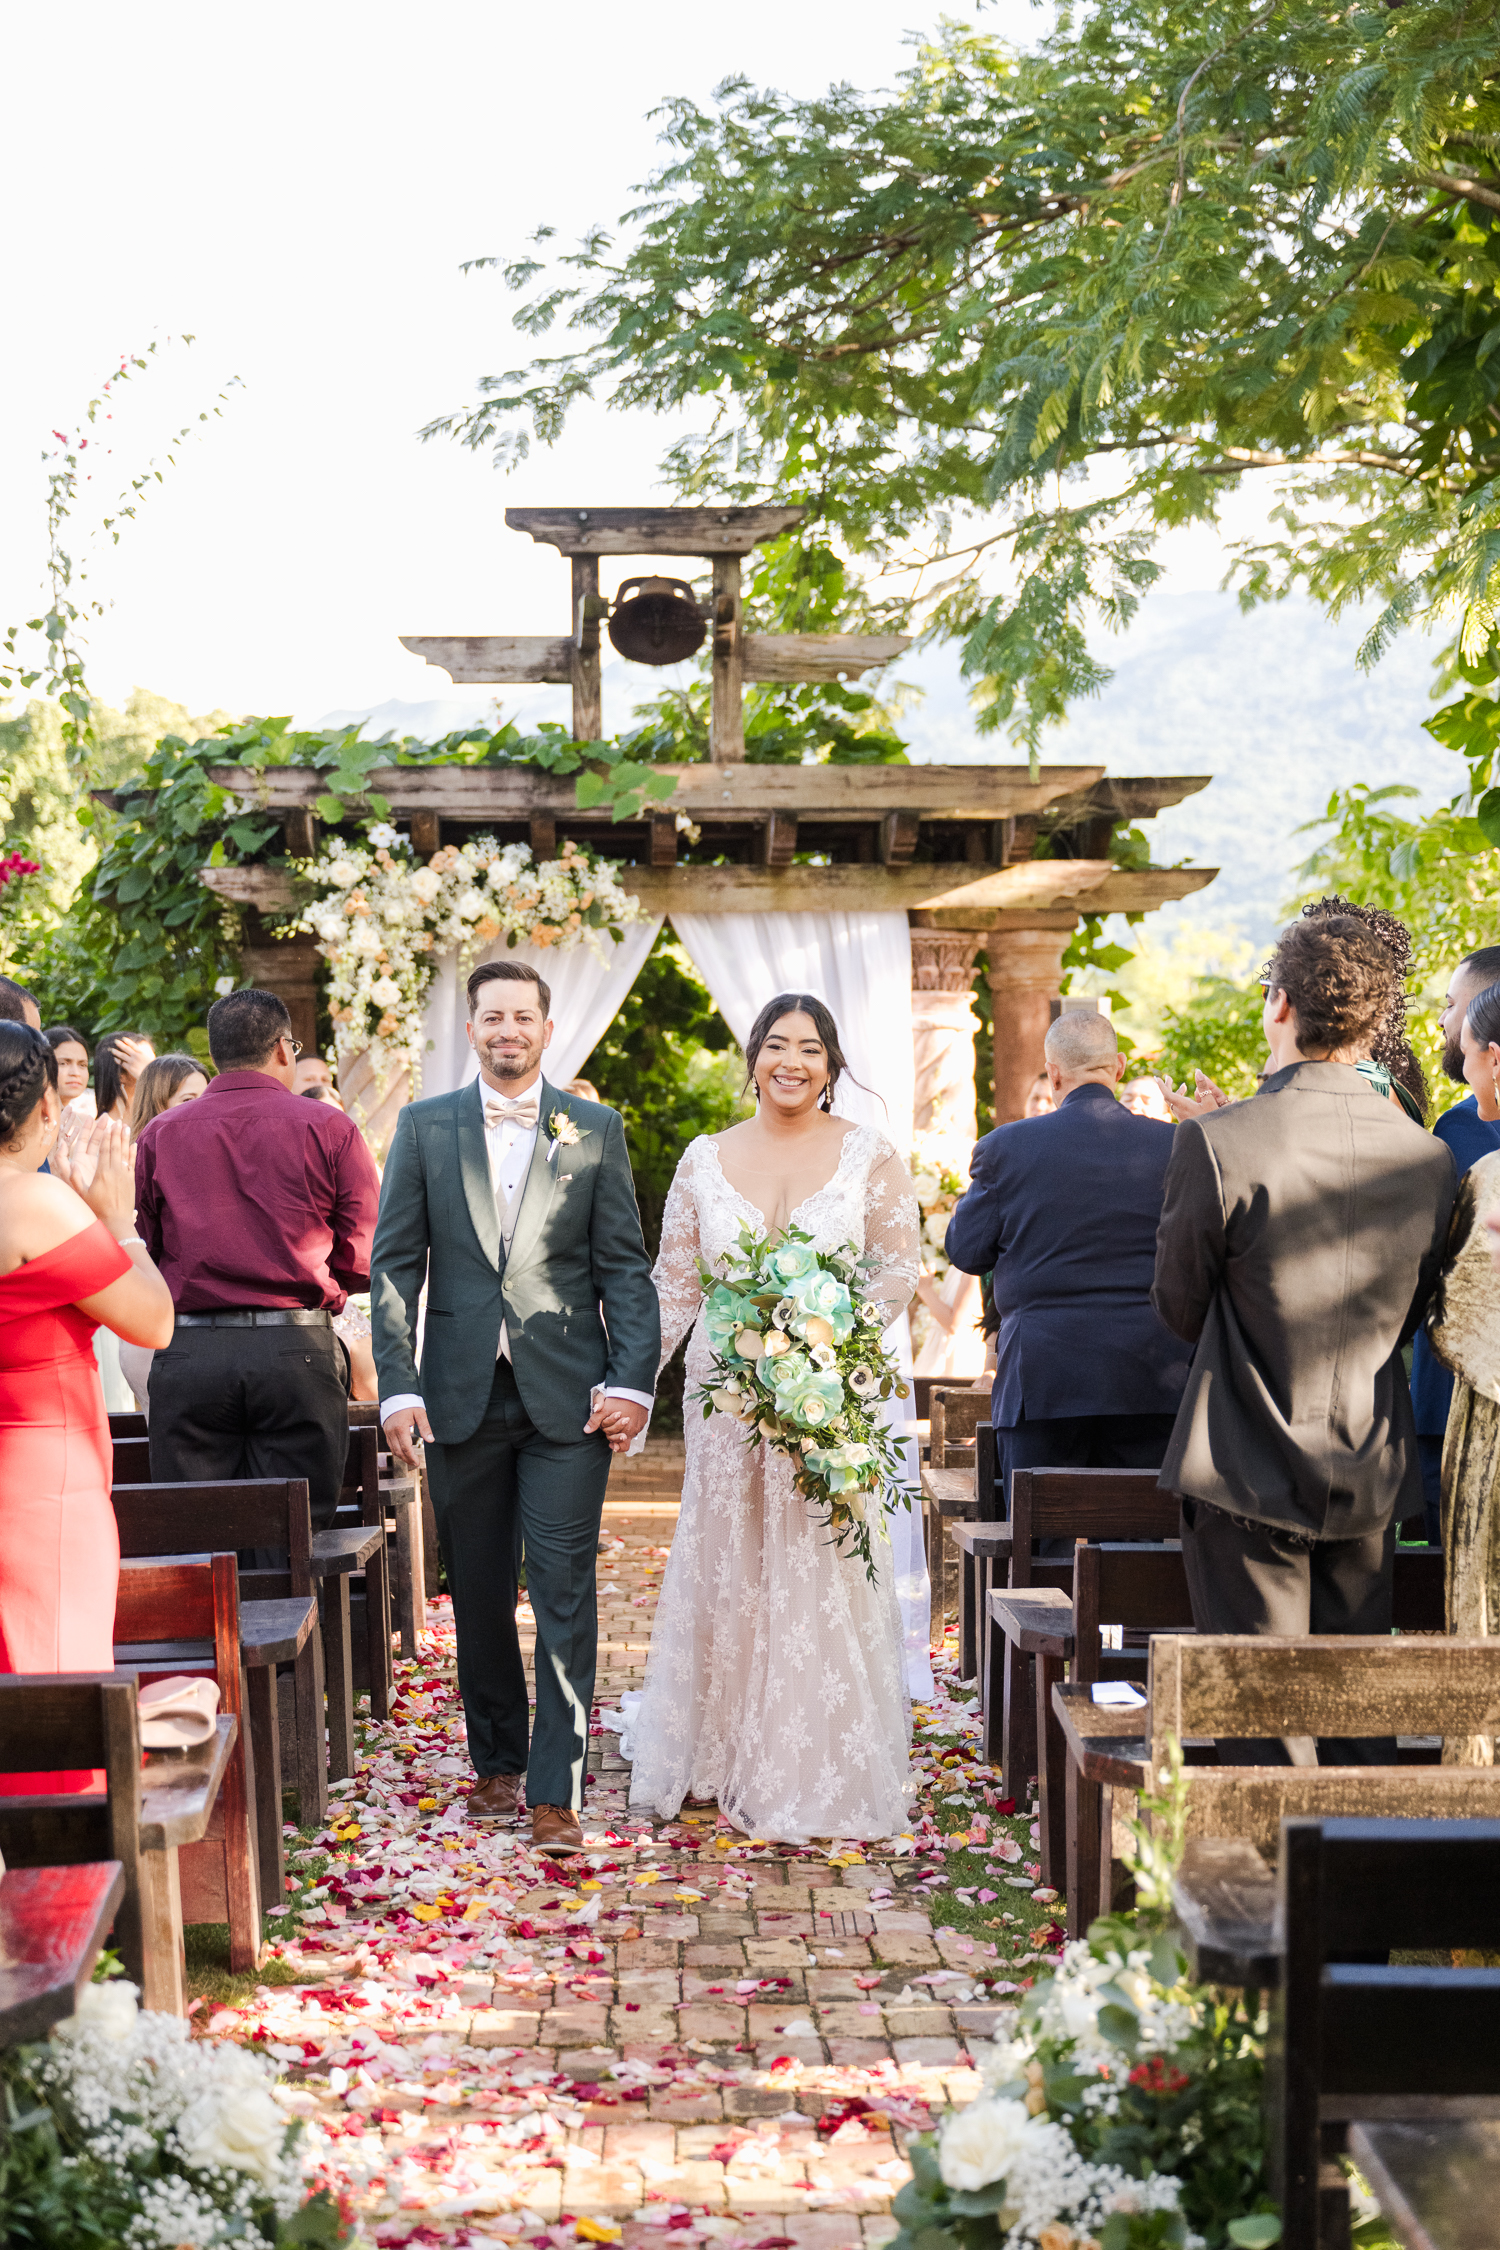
[(659, 623)]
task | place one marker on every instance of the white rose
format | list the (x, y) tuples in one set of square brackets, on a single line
[(236, 2123), (385, 992), (109, 2009), (426, 885), (980, 2144), (927, 1185), (470, 905), (365, 938), (393, 910), (343, 872)]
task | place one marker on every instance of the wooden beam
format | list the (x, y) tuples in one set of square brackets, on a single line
[(952, 896), (820, 656), (426, 834), (588, 696), (712, 792), (299, 828), (652, 531), (663, 841), (778, 840), (477, 659), (543, 837), (898, 839), (726, 725)]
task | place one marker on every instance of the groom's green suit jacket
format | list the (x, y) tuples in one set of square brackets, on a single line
[(574, 1290)]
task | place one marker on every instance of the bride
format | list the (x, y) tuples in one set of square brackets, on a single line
[(775, 1677)]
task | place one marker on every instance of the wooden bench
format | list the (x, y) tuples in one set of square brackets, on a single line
[(171, 1519), (1433, 2181), (72, 1721), (1069, 1504), (53, 1923), (182, 1619), (1353, 2041)]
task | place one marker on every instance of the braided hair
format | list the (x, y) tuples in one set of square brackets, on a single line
[(27, 1067)]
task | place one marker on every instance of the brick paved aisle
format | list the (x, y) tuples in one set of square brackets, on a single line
[(678, 2037)]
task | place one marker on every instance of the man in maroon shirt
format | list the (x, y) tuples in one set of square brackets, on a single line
[(259, 1211)]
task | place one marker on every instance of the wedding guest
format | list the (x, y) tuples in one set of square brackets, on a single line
[(70, 1257), (260, 1210), (1039, 1102), (321, 1094), (167, 1082), (1064, 1209), (71, 1050), (1143, 1097), (118, 1063), (1471, 1130), (17, 1005), (1300, 1240), (313, 1071)]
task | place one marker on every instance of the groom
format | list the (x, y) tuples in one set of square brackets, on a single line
[(515, 1204)]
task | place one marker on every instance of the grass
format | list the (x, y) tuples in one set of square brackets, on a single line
[(209, 1976)]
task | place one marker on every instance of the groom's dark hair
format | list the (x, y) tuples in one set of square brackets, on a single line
[(515, 972)]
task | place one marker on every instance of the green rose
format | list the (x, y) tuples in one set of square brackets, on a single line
[(812, 1398), (724, 1315), (790, 1261), (841, 1467), (822, 1296)]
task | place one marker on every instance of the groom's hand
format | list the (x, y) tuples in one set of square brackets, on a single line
[(405, 1427), (621, 1420)]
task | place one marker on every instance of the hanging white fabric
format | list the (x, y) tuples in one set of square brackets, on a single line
[(587, 995), (859, 965)]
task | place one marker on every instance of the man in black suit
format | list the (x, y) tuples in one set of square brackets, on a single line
[(1301, 1238), (1064, 1210)]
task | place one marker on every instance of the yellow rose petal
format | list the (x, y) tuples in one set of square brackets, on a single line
[(596, 2230), (427, 1913)]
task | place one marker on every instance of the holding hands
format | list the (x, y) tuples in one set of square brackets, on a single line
[(621, 1420)]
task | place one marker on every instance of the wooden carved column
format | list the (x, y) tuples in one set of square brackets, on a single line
[(1025, 975), (942, 1028)]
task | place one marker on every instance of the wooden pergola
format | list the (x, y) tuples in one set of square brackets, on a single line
[(950, 846)]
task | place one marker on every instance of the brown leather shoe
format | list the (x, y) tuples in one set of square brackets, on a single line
[(496, 1797), (554, 1828)]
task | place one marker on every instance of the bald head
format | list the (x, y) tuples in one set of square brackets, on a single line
[(1082, 1050)]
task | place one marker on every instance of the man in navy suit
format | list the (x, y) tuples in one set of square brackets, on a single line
[(1063, 1210)]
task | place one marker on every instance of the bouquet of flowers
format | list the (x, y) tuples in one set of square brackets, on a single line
[(798, 1359), (124, 2128)]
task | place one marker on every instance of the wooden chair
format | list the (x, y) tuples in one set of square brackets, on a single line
[(1377, 2043), (172, 1519), (53, 1923), (141, 1818), (951, 1499), (183, 1618), (1036, 1606), (127, 1425), (954, 1415)]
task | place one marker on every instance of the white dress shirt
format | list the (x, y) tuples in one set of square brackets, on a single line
[(510, 1146)]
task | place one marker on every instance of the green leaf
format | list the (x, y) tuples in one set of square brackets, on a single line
[(329, 808), (1487, 813), (1255, 2233)]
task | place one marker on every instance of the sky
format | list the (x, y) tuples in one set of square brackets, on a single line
[(297, 188)]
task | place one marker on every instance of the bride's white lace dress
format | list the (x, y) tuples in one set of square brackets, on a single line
[(775, 1681)]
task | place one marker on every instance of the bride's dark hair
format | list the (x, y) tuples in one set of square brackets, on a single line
[(801, 1004)]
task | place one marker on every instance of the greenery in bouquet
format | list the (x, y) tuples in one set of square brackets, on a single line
[(122, 2130), (799, 1359)]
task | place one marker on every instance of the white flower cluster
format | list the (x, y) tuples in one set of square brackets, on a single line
[(938, 1189), (137, 2082), (382, 918), (1048, 2184), (1069, 2004)]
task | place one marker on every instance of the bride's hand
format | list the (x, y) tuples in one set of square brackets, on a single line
[(99, 1165)]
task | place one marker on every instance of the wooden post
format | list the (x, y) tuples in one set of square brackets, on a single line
[(588, 700), (1025, 972), (726, 726), (289, 968)]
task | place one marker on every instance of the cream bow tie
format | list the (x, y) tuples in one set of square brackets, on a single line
[(517, 1109)]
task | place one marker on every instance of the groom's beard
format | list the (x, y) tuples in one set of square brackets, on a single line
[(1453, 1060), (512, 1066)]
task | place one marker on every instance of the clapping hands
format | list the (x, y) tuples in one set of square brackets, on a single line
[(1205, 1098), (94, 1157)]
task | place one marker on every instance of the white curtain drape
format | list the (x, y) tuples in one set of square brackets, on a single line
[(587, 995), (860, 966)]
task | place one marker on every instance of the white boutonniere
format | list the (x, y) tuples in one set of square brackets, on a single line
[(565, 1134)]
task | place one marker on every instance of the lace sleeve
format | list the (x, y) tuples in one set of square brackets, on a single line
[(892, 1234), (676, 1270)]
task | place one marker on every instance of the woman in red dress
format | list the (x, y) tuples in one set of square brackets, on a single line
[(70, 1260)]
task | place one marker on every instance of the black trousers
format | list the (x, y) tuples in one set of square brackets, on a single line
[(1080, 1441), (1248, 1577), (506, 1486), (228, 1403)]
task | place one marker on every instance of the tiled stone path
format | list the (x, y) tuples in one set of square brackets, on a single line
[(679, 2033)]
